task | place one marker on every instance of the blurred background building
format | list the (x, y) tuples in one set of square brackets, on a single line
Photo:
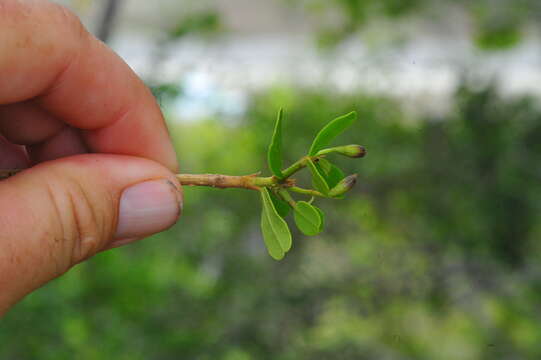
[(420, 48), (435, 255)]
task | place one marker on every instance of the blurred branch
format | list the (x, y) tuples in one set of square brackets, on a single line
[(110, 11)]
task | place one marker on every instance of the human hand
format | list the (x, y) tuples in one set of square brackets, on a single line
[(100, 163)]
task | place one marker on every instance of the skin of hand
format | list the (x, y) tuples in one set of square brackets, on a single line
[(99, 162)]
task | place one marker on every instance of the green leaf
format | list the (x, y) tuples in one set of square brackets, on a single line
[(275, 229), (317, 179), (281, 206), (274, 155), (324, 164), (322, 216), (332, 130), (332, 174), (307, 218), (271, 242)]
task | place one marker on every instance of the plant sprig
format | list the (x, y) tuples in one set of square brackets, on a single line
[(328, 181)]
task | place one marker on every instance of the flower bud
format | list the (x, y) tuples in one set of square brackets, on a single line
[(343, 186), (354, 151)]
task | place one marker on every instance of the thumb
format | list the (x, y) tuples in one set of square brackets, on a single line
[(59, 213)]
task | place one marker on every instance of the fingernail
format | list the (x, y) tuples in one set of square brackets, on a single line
[(120, 242), (147, 208)]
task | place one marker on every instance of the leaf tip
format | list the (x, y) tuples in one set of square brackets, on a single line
[(352, 114)]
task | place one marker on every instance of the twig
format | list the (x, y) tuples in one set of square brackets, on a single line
[(252, 182), (306, 191)]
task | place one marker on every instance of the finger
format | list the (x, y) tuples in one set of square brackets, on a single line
[(27, 124), (46, 137), (59, 213), (47, 55), (12, 156), (66, 142)]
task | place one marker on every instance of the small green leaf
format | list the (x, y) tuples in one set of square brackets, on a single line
[(271, 242), (324, 164), (279, 231), (332, 174), (317, 179), (281, 206), (274, 155), (332, 130), (307, 218), (322, 216)]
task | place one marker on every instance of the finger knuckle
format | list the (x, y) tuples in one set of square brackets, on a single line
[(68, 19), (40, 12), (84, 224)]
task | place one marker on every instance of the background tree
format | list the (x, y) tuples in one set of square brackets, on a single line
[(496, 24)]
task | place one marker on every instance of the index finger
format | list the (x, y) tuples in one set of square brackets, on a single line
[(48, 56)]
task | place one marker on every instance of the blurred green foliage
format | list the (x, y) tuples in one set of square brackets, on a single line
[(496, 24), (199, 23), (435, 255)]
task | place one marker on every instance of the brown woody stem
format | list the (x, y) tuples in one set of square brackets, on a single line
[(225, 181), (252, 182)]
